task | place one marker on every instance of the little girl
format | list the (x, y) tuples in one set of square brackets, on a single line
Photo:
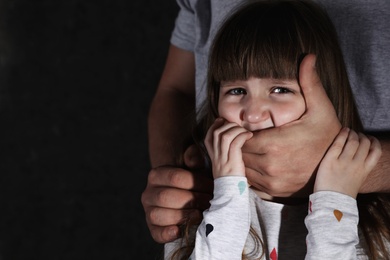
[(253, 84)]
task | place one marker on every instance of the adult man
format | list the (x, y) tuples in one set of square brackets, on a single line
[(173, 193)]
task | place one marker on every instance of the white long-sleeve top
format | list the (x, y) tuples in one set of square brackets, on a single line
[(325, 228)]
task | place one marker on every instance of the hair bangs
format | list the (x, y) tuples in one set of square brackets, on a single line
[(257, 49)]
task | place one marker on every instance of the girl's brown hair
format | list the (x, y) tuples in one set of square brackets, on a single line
[(269, 39)]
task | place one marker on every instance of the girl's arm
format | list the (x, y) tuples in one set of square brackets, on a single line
[(332, 226), (347, 163), (333, 216), (225, 226)]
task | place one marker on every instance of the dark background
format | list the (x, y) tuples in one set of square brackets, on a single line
[(77, 78)]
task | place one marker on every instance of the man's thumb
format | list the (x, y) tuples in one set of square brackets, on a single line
[(310, 83), (193, 158)]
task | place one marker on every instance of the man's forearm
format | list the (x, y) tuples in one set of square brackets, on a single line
[(379, 179), (169, 124), (172, 109)]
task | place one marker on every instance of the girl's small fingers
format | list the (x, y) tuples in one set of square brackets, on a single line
[(214, 133), (214, 138), (228, 138), (235, 153), (363, 148), (238, 142), (338, 144), (351, 146), (208, 141), (374, 153), (217, 124), (218, 137)]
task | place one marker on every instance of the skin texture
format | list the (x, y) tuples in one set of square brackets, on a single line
[(257, 104), (172, 106), (379, 178), (247, 106), (264, 152), (169, 187), (347, 163), (224, 141), (173, 193)]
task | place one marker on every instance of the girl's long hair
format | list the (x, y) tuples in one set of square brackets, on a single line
[(268, 39)]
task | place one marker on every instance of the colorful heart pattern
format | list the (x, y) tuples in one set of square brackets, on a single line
[(338, 214), (209, 229), (273, 255), (241, 187)]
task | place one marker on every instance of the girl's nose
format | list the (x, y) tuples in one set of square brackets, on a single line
[(255, 112), (256, 116)]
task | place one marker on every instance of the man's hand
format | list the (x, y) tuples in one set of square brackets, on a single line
[(169, 189), (173, 195), (281, 161)]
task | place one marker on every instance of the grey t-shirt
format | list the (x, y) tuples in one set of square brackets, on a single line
[(364, 35)]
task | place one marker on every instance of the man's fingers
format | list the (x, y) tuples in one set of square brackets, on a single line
[(166, 176), (171, 196), (266, 183), (193, 157), (169, 217), (164, 234), (238, 142), (258, 143), (176, 199)]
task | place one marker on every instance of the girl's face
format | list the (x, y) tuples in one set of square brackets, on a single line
[(260, 103)]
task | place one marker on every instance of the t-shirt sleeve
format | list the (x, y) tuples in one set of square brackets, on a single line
[(225, 226), (332, 224), (183, 35)]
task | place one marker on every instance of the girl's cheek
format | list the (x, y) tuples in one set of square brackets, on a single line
[(230, 112)]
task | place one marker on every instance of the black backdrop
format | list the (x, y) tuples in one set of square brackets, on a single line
[(77, 78)]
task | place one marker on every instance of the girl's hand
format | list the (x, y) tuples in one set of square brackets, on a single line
[(223, 143), (347, 163)]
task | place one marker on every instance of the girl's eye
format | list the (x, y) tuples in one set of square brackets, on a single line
[(281, 90), (237, 91)]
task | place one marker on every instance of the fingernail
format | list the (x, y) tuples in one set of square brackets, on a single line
[(314, 62), (172, 233), (347, 129)]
